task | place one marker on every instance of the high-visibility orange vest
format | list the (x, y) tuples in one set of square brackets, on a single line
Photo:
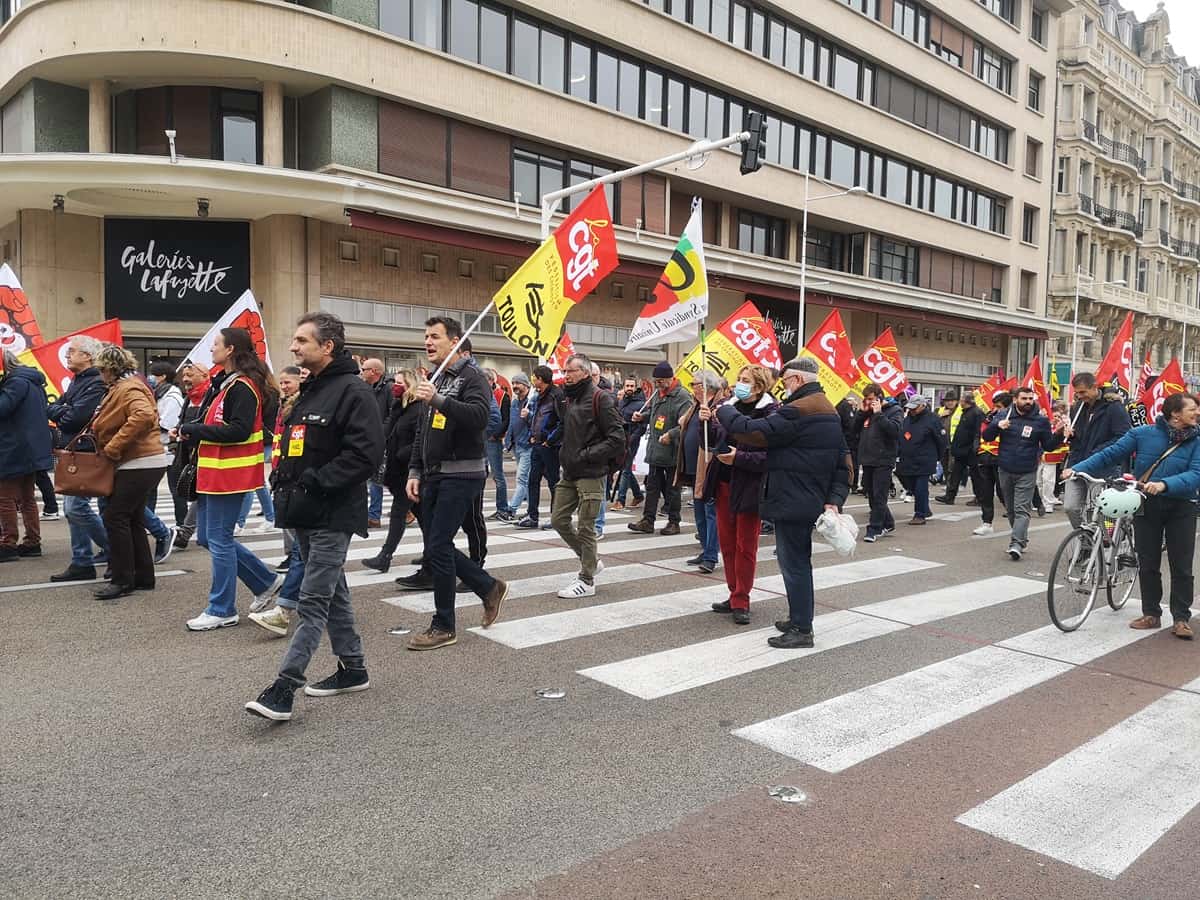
[(231, 468)]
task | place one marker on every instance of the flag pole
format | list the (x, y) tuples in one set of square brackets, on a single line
[(703, 388)]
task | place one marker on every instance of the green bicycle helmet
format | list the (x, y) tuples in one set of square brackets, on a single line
[(1116, 503)]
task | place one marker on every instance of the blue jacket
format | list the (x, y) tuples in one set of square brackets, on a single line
[(1180, 471), (517, 437), (74, 409), (1023, 443), (547, 424), (494, 422), (922, 442), (1096, 428), (24, 437), (808, 462)]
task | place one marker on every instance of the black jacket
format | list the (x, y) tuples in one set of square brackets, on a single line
[(1097, 426), (879, 435), (324, 487), (381, 392), (922, 443), (965, 442), (74, 409), (592, 433), (846, 412), (808, 462), (402, 431), (546, 426), (449, 440)]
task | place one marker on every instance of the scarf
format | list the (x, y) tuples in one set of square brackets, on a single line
[(1179, 435), (196, 394)]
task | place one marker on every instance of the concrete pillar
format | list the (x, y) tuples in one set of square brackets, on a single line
[(99, 116), (272, 105)]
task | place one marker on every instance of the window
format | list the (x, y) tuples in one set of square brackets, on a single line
[(845, 75), (825, 249), (1060, 251), (1028, 286), (910, 20), (1062, 183), (427, 23), (535, 174), (762, 234), (606, 80), (1037, 26), (1029, 224), (493, 38), (464, 29), (584, 171), (1143, 268), (993, 68), (239, 114), (894, 261), (1005, 9), (1033, 158), (1035, 90), (581, 70)]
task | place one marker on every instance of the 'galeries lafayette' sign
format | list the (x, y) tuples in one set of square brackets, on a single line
[(177, 270)]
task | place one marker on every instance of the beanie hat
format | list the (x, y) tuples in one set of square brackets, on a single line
[(664, 370), (521, 378)]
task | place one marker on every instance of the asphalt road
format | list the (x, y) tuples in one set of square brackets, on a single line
[(946, 741)]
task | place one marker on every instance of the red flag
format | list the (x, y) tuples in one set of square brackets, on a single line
[(881, 365), (51, 359), (985, 392), (1170, 382), (1034, 379), (1118, 361), (18, 328), (1146, 374), (831, 349), (244, 313)]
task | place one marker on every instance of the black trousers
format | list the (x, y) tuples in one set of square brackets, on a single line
[(956, 476), (542, 464), (397, 522), (876, 480), (45, 484), (129, 554), (1175, 520), (660, 483), (475, 528), (985, 483)]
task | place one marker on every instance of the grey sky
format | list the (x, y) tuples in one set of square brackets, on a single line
[(1185, 24)]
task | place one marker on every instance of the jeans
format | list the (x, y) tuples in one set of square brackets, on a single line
[(494, 451), (661, 483), (324, 605), (125, 514), (545, 463), (876, 480), (524, 458), (793, 546), (583, 494), (983, 482), (1017, 490), (264, 503), (45, 484), (706, 527), (17, 497), (374, 501), (1174, 520), (918, 486), (602, 516), (629, 482), (1075, 493), (289, 594), (215, 518), (738, 533), (85, 529), (446, 502)]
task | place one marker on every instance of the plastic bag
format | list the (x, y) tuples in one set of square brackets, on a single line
[(839, 530)]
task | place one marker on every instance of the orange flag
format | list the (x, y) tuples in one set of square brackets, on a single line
[(881, 365), (830, 347), (1169, 382)]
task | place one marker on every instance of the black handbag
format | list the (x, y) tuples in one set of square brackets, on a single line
[(186, 485)]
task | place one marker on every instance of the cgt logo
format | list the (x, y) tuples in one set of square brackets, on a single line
[(582, 243), (754, 344), (1126, 355), (883, 372)]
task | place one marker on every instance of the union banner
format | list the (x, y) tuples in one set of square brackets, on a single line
[(681, 296), (51, 359), (830, 347), (1169, 382), (535, 301), (745, 338), (18, 328), (881, 365), (243, 314)]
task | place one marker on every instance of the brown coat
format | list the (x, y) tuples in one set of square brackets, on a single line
[(126, 423)]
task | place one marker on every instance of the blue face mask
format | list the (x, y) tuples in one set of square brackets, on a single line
[(152, 379), (741, 390)]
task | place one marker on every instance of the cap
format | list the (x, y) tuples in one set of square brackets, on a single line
[(803, 364), (915, 401), (664, 370)]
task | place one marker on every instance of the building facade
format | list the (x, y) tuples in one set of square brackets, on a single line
[(385, 158), (1126, 185)]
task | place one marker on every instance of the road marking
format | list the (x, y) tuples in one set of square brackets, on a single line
[(1104, 804), (843, 731), (46, 585), (1048, 526), (568, 624), (940, 603)]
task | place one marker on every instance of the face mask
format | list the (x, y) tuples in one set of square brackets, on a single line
[(741, 390), (153, 380), (398, 390)]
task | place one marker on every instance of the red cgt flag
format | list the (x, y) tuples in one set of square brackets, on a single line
[(557, 361), (1034, 379), (1117, 362), (881, 365), (1170, 382)]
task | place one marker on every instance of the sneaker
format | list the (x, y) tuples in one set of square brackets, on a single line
[(9, 554), (792, 639), (985, 528), (379, 563), (205, 622), (50, 517), (870, 538), (887, 532), (599, 535), (577, 588), (181, 541), (343, 681), (906, 497), (528, 523), (431, 639), (707, 568), (694, 561), (641, 526), (263, 600), (275, 703), (741, 617), (669, 529), (238, 529), (546, 526), (497, 516), (491, 603), (281, 568), (766, 528), (30, 550), (75, 573), (417, 581), (164, 545), (949, 501), (275, 620), (1014, 553)]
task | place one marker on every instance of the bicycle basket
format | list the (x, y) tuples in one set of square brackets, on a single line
[(1116, 503)]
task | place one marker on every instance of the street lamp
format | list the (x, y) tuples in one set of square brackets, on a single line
[(858, 189), (1120, 282)]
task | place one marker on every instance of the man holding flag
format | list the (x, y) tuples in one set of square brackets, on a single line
[(1097, 420)]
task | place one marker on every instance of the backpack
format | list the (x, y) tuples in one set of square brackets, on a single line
[(616, 463)]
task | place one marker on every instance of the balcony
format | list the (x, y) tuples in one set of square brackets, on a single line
[(1115, 218), (1086, 205), (1187, 191), (1089, 131), (1111, 294), (1122, 153)]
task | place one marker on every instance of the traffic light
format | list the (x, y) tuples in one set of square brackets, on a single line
[(754, 150)]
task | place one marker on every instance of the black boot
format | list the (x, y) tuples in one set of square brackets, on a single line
[(380, 563), (75, 573), (792, 639), (275, 703), (112, 591)]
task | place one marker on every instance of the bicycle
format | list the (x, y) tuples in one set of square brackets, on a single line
[(1099, 553)]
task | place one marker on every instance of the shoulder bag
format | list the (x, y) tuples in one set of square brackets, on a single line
[(83, 473)]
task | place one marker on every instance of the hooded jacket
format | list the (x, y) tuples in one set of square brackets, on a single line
[(1097, 425), (74, 409), (879, 435), (320, 481), (808, 462), (24, 437), (662, 418), (1180, 471)]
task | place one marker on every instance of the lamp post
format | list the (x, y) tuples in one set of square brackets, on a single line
[(1120, 282), (858, 189)]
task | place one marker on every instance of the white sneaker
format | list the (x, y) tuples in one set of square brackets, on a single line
[(577, 588), (599, 535), (263, 600), (205, 622), (274, 620), (985, 528), (50, 517), (237, 529), (599, 567)]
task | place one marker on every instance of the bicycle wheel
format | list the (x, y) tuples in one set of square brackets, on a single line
[(1123, 573), (1074, 582)]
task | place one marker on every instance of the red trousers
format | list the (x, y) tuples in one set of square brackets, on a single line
[(738, 534), (17, 502)]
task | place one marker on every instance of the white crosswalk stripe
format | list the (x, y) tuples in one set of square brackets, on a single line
[(47, 585)]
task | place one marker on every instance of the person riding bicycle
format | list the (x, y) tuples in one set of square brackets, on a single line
[(1168, 464)]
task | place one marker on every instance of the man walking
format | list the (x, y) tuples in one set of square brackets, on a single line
[(669, 402), (965, 428), (516, 440), (446, 476), (332, 442), (1023, 433), (808, 472), (592, 438), (922, 443), (71, 414), (545, 437), (494, 446), (985, 473), (24, 451), (878, 429), (1096, 421), (631, 399), (372, 373)]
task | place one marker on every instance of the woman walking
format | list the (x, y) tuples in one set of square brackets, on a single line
[(735, 481), (229, 466), (127, 432), (402, 431)]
